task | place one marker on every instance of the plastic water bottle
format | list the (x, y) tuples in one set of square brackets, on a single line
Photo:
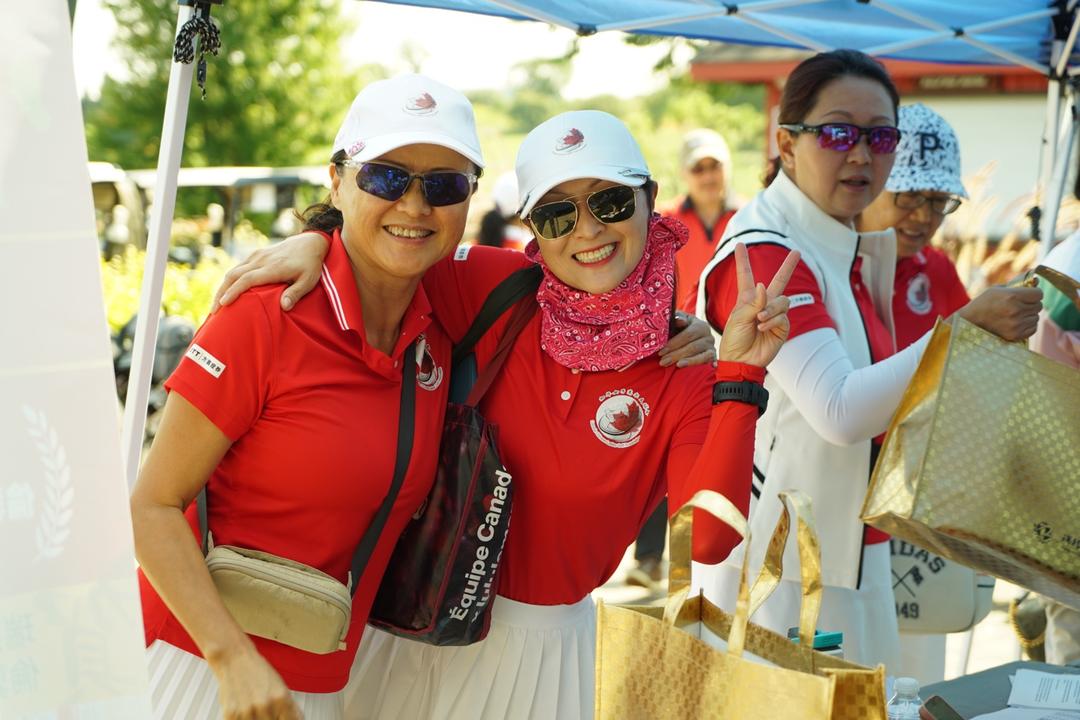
[(905, 701)]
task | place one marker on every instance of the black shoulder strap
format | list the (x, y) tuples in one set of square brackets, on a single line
[(516, 286), (406, 422)]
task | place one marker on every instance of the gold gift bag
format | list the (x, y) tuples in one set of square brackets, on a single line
[(653, 663), (981, 463)]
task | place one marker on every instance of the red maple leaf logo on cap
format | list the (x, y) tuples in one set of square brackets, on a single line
[(422, 104), (573, 140)]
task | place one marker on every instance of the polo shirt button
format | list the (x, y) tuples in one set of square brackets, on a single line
[(575, 371), (565, 395), (395, 363)]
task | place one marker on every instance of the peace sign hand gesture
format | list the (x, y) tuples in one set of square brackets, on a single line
[(758, 324)]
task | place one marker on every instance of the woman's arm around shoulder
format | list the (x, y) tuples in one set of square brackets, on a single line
[(296, 261)]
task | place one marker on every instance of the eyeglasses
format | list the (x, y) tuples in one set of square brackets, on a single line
[(610, 205), (842, 137), (391, 183), (942, 205)]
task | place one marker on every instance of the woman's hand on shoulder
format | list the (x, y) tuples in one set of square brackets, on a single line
[(758, 324), (250, 689), (693, 345), (1011, 313), (297, 260)]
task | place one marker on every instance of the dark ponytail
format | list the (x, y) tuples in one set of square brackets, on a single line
[(772, 169), (324, 217)]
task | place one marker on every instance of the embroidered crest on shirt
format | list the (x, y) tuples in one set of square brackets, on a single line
[(205, 360), (428, 375), (620, 418), (918, 295)]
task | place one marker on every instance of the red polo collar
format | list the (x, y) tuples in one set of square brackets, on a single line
[(339, 284)]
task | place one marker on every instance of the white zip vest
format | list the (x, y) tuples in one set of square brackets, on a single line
[(788, 453)]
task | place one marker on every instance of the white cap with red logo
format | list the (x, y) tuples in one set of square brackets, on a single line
[(408, 110), (575, 145)]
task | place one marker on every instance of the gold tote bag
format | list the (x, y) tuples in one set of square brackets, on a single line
[(981, 463), (662, 663)]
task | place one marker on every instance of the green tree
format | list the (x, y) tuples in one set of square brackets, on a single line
[(274, 95)]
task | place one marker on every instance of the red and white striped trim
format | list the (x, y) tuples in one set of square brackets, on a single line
[(335, 299)]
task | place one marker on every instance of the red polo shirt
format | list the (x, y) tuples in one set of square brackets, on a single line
[(312, 410), (807, 309), (592, 453), (698, 250), (926, 288)]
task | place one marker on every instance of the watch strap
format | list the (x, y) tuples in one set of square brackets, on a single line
[(745, 391)]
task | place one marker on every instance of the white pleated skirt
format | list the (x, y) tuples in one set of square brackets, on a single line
[(866, 616), (537, 663), (182, 687)]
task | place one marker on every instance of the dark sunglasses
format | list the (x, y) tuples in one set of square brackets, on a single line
[(611, 205), (842, 137), (391, 183), (915, 200)]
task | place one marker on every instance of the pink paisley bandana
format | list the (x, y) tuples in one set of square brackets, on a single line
[(582, 331)]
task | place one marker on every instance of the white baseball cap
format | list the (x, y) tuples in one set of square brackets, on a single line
[(928, 156), (575, 145), (408, 110), (704, 143)]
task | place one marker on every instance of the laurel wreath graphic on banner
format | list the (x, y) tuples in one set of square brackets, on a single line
[(58, 508)]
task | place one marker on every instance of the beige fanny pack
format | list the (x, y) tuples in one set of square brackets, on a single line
[(280, 599)]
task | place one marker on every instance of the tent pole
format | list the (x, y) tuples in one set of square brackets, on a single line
[(942, 33), (535, 14), (157, 253), (1070, 43), (1048, 152), (1056, 190), (794, 38), (710, 10)]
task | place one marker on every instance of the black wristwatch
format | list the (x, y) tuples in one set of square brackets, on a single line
[(746, 391)]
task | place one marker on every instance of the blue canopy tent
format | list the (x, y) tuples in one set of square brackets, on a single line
[(963, 31), (1036, 34)]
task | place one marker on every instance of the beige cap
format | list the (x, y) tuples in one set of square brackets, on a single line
[(704, 143)]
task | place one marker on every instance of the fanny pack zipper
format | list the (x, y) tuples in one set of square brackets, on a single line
[(284, 580)]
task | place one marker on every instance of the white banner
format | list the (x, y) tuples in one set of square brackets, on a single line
[(71, 642)]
